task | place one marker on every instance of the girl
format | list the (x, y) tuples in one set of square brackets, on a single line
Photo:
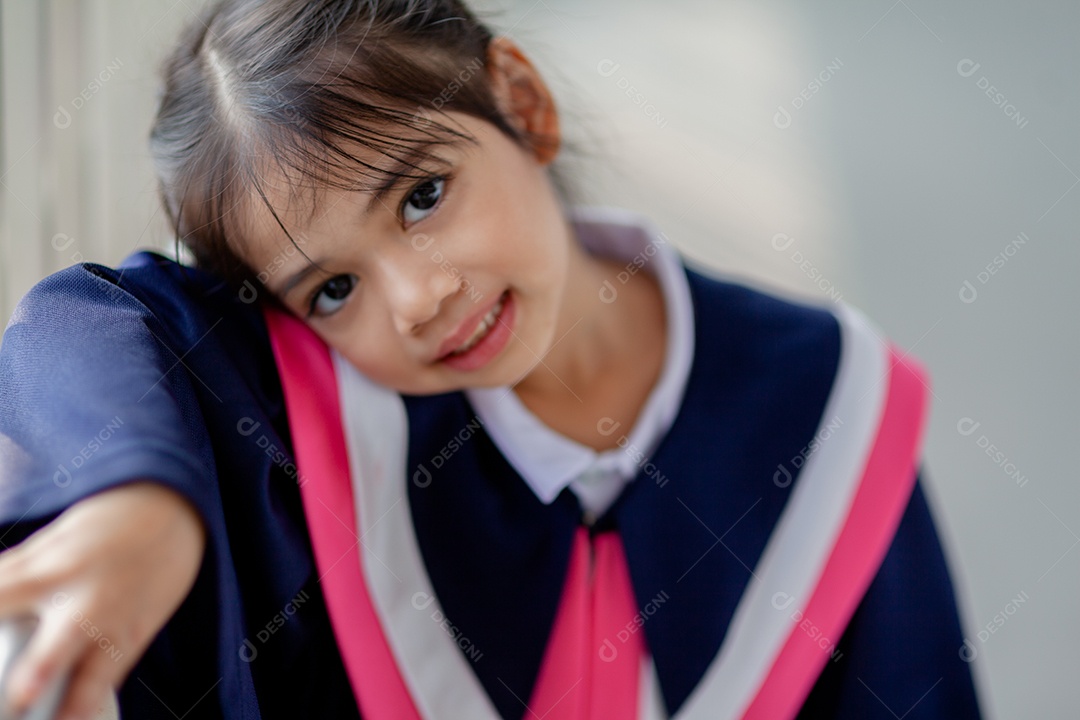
[(418, 439)]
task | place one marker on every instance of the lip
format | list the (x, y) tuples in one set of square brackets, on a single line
[(465, 330), (490, 345)]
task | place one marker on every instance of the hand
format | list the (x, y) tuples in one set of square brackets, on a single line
[(104, 577)]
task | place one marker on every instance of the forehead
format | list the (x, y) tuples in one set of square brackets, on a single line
[(294, 196), (289, 200)]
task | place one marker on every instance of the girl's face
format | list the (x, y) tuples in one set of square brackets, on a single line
[(458, 280)]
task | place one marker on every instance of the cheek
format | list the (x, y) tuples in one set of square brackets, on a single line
[(371, 350), (383, 366), (521, 242), (380, 355)]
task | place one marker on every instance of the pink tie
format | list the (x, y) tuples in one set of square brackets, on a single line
[(593, 659)]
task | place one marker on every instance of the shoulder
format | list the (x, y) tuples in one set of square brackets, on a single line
[(147, 319), (755, 313), (146, 293), (785, 357), (144, 279), (760, 325), (778, 349)]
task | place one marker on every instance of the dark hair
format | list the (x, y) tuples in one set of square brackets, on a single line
[(297, 85)]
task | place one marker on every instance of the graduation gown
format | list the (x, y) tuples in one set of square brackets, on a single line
[(781, 555)]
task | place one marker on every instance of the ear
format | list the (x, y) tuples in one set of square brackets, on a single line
[(523, 98)]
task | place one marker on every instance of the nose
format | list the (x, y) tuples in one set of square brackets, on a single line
[(416, 285)]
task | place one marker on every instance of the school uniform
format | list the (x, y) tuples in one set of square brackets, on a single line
[(757, 545)]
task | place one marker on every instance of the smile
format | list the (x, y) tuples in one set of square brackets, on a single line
[(489, 336), (482, 329)]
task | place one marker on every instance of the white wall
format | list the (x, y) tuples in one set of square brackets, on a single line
[(78, 83), (898, 179)]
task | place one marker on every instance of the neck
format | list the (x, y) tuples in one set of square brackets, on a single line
[(606, 356), (591, 336)]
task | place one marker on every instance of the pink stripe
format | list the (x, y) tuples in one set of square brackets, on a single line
[(564, 667), (615, 683), (590, 671), (311, 399), (883, 494)]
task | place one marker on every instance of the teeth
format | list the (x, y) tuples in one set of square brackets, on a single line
[(481, 329)]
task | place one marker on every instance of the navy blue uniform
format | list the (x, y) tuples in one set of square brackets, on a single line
[(157, 371)]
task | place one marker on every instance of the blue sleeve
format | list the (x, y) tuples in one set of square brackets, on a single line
[(156, 371), (900, 655), (90, 398)]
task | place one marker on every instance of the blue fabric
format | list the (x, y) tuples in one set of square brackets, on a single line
[(178, 360), (496, 555), (900, 655), (761, 374), (151, 371)]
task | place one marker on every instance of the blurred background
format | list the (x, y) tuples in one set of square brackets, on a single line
[(918, 160)]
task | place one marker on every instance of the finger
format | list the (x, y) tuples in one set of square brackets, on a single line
[(19, 587), (51, 652), (89, 689), (27, 576)]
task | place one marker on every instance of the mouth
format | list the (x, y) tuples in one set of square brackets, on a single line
[(489, 334), (482, 329)]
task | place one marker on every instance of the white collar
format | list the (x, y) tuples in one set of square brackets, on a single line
[(549, 461)]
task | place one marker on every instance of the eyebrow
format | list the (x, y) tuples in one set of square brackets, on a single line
[(296, 278), (393, 179), (394, 174)]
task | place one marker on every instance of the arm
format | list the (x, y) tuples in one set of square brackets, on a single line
[(103, 578), (88, 414), (185, 363)]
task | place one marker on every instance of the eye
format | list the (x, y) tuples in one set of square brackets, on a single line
[(422, 199), (331, 295)]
